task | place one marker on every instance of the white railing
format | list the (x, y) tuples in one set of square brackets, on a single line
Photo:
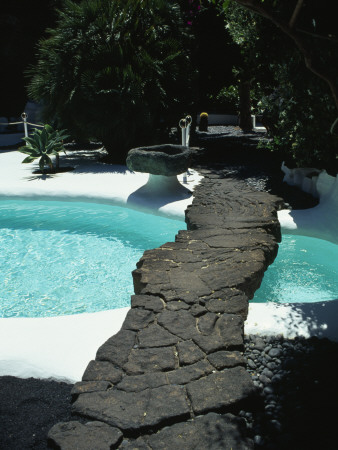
[(24, 121), (185, 125), (24, 117)]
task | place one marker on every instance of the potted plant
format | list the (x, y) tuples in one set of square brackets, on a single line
[(42, 144), (203, 126)]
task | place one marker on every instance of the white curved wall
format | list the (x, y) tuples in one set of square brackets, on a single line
[(320, 221)]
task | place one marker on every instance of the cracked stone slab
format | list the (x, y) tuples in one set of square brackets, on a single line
[(138, 383), (163, 337), (102, 371), (181, 323), (206, 323), (185, 374), (137, 319), (143, 360), (227, 334), (178, 279), (117, 348), (92, 435), (189, 353), (223, 359), (213, 431), (135, 410), (89, 386), (220, 390), (176, 305), (197, 310), (150, 302), (229, 303)]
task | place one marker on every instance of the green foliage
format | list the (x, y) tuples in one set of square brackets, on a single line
[(298, 106), (43, 143), (299, 113), (113, 70), (229, 97)]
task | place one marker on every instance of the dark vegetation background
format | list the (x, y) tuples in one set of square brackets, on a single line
[(218, 57), (22, 25)]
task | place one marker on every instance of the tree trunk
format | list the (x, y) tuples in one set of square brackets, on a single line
[(245, 120)]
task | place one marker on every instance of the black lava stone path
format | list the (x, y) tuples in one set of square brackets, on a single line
[(174, 376)]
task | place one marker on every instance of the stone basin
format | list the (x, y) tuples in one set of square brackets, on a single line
[(163, 163), (166, 159)]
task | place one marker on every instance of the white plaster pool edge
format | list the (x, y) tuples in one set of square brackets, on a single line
[(60, 348), (57, 348)]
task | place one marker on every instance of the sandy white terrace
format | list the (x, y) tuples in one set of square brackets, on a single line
[(61, 347)]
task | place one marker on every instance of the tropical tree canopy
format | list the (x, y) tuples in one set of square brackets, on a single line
[(113, 71), (290, 59)]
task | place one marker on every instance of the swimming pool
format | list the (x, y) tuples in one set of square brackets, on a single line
[(59, 258), (305, 271)]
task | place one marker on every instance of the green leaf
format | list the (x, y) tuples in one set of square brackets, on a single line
[(37, 141), (29, 140), (49, 129), (226, 4), (25, 149), (44, 138), (29, 150), (62, 135), (29, 159)]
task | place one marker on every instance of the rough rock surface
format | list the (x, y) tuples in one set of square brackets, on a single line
[(176, 365), (166, 159)]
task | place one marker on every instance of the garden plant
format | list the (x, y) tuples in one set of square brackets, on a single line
[(43, 144), (113, 71)]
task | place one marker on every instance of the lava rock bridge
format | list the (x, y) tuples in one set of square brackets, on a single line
[(174, 376)]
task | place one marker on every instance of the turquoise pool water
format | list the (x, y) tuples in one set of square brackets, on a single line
[(305, 270), (60, 258)]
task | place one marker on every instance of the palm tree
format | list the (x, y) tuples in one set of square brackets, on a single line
[(112, 69)]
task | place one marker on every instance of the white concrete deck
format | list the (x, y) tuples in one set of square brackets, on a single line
[(61, 347)]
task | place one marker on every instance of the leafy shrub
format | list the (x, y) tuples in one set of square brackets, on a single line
[(299, 113), (113, 70)]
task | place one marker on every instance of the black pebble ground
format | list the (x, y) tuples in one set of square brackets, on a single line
[(296, 379), (28, 409)]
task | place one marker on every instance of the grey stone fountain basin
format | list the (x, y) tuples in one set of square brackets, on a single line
[(167, 159)]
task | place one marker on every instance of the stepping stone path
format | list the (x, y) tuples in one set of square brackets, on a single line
[(174, 375)]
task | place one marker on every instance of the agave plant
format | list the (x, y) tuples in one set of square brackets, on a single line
[(43, 143)]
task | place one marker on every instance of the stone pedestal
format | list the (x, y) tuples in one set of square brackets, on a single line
[(163, 163)]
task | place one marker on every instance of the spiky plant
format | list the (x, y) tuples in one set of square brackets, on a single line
[(111, 69), (42, 144)]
